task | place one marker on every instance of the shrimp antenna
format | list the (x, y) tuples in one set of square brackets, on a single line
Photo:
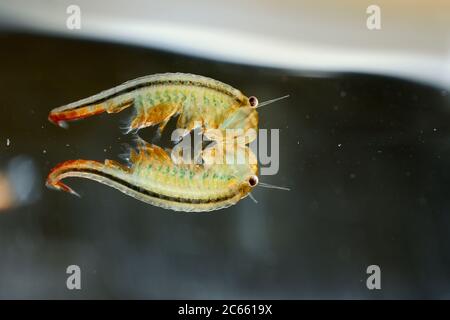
[(271, 186), (265, 103), (252, 197)]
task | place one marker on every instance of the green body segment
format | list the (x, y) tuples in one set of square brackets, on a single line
[(198, 100), (188, 182), (154, 179), (197, 106)]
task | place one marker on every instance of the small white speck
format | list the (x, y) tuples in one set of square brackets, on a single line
[(104, 150), (8, 142), (435, 129), (67, 145), (44, 151), (298, 142), (340, 145)]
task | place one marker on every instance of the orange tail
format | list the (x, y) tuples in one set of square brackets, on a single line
[(59, 116), (77, 168)]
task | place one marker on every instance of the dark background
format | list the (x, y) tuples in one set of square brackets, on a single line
[(366, 157)]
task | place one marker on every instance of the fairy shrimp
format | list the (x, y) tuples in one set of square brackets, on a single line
[(152, 177), (158, 98)]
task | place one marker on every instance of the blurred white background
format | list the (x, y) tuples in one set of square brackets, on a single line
[(298, 35)]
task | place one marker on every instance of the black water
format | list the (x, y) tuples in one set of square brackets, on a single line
[(367, 159)]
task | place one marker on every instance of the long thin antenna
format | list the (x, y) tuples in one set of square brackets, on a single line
[(265, 103), (271, 186), (253, 198)]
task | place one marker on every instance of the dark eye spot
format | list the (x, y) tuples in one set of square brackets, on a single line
[(253, 181), (253, 101)]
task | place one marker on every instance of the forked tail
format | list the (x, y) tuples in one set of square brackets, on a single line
[(88, 107), (90, 169)]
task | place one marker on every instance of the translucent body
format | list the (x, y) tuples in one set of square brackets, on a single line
[(199, 101), (152, 176)]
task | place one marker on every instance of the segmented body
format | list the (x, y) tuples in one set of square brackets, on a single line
[(157, 98), (152, 176), (155, 179)]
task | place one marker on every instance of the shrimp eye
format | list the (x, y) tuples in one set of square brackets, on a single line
[(253, 101), (252, 181)]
